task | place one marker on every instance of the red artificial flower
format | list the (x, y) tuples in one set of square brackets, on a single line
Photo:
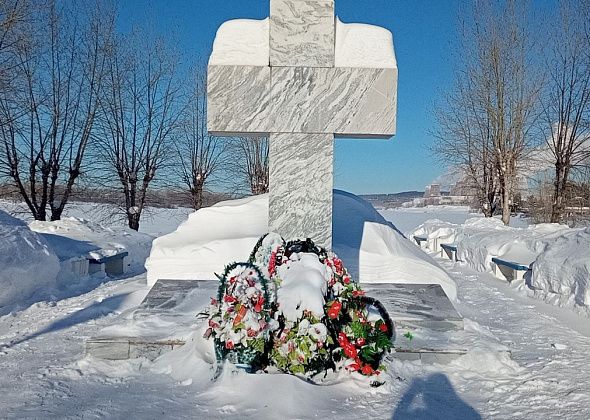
[(232, 280), (353, 367), (383, 327), (360, 341), (367, 370), (334, 310), (346, 279), (213, 324), (251, 332), (229, 298), (259, 303), (357, 293), (350, 351), (342, 339), (229, 344), (214, 301)]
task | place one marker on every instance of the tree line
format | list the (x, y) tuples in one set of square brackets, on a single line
[(82, 102), (519, 102)]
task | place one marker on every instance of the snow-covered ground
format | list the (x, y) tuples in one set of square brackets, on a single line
[(46, 375)]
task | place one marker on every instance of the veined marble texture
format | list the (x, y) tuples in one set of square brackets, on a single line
[(344, 101), (300, 185), (302, 33), (238, 99)]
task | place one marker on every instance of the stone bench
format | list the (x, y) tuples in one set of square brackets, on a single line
[(112, 265), (450, 250), (509, 270)]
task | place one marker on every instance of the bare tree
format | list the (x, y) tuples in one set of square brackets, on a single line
[(139, 113), (200, 155), (567, 100), (493, 106), (50, 115), (464, 140), (248, 162)]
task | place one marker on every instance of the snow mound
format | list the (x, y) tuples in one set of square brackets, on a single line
[(303, 287), (246, 42), (361, 45), (371, 248), (208, 240), (72, 238), (562, 272), (242, 41), (27, 264)]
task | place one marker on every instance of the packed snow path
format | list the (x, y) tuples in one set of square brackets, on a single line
[(44, 374)]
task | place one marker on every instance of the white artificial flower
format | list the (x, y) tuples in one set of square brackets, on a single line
[(303, 327), (318, 332)]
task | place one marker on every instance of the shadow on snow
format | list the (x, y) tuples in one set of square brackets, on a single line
[(433, 397)]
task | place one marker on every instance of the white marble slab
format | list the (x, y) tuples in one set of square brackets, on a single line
[(343, 101), (238, 99), (302, 33), (300, 185)]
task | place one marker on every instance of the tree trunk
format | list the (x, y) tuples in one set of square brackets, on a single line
[(133, 216), (558, 192), (197, 195), (506, 196)]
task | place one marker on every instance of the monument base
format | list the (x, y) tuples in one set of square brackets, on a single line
[(428, 328)]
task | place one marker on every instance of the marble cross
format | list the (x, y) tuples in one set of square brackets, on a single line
[(294, 79)]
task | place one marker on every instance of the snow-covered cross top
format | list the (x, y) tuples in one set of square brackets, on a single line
[(302, 78)]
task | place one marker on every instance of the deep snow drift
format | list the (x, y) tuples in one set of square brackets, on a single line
[(371, 248), (560, 256), (44, 260), (27, 264)]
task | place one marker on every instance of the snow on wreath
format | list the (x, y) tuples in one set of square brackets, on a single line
[(294, 308)]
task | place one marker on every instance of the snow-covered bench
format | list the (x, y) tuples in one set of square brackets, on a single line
[(421, 239), (450, 250), (112, 265), (509, 270)]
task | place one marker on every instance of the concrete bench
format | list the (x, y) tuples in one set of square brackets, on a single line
[(112, 265), (450, 250), (509, 270)]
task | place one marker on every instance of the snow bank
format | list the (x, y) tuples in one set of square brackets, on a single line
[(560, 256), (246, 42), (208, 240), (561, 274), (371, 248), (71, 238), (27, 264)]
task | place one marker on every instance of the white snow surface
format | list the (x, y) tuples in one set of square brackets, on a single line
[(560, 256), (76, 237), (303, 286), (27, 264), (370, 247), (246, 42), (45, 373), (362, 45), (242, 41)]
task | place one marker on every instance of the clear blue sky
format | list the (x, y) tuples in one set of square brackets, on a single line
[(424, 32)]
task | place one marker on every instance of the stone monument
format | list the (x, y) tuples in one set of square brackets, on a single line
[(302, 78)]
